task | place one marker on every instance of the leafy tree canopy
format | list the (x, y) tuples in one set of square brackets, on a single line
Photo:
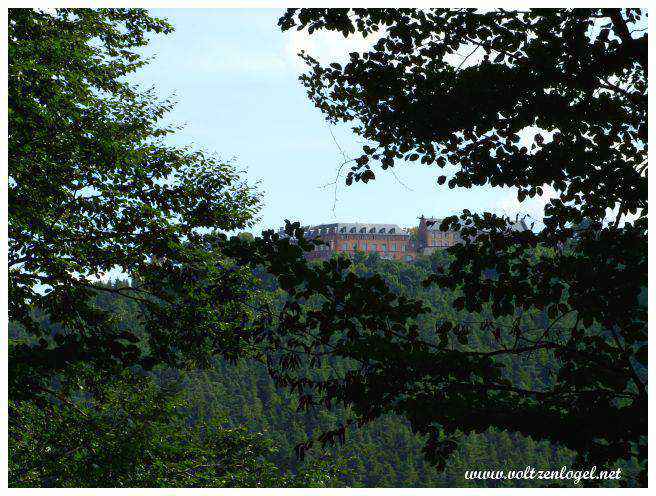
[(94, 187), (537, 98), (579, 76)]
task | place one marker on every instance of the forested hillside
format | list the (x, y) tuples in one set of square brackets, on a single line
[(385, 453)]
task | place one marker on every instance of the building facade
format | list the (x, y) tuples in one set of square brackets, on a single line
[(390, 241), (431, 238)]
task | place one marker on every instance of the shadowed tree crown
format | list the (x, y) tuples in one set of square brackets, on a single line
[(525, 99)]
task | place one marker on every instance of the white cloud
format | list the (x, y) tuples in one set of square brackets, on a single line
[(325, 46), (467, 56), (330, 46), (509, 205), (222, 61)]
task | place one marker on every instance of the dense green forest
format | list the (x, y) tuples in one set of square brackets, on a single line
[(241, 396)]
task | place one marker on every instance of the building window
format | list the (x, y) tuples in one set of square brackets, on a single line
[(383, 247), (344, 246), (364, 246), (403, 247), (393, 246), (408, 258), (355, 246), (373, 247)]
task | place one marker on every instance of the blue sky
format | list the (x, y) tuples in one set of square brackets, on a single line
[(235, 77)]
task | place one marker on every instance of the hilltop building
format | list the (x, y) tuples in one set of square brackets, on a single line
[(390, 241), (431, 238)]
